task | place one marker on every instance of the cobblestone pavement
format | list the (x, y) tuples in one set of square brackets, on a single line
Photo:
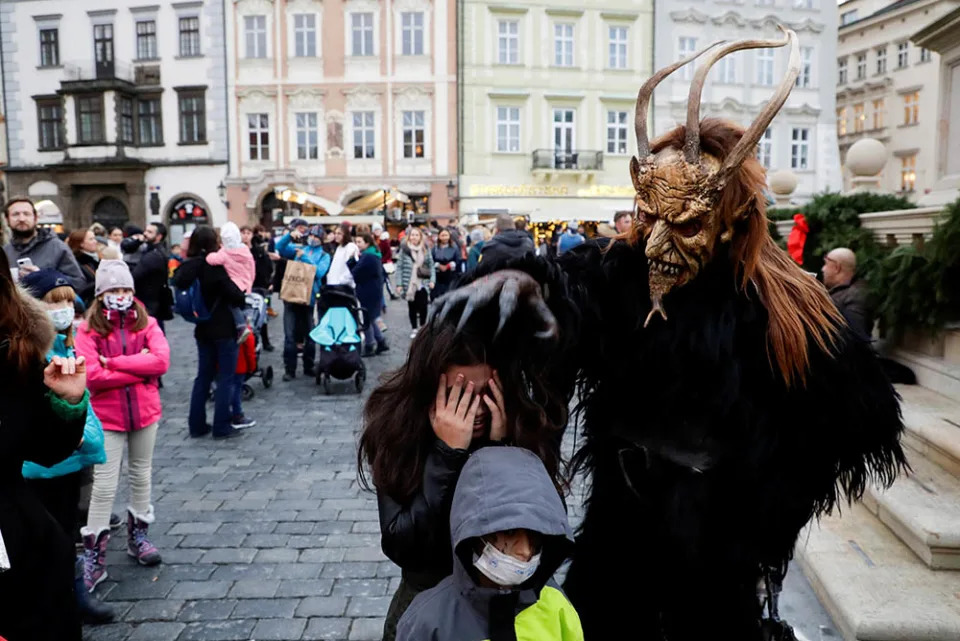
[(268, 536)]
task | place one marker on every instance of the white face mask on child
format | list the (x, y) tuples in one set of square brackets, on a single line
[(503, 569), (62, 317), (117, 302)]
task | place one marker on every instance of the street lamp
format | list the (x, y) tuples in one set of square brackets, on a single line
[(222, 193), (452, 193)]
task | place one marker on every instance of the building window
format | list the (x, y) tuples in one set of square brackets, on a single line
[(727, 70), (193, 116), (307, 136), (189, 37), (685, 48), (361, 29), (803, 4), (413, 134), (508, 42), (848, 16), (563, 45), (903, 55), (842, 72), (305, 35), (908, 172), (616, 132), (508, 129), (258, 130), (618, 47), (412, 31), (842, 121), (878, 113), (49, 47), (799, 148), (881, 60), (765, 148), (861, 66), (149, 121), (125, 126), (49, 117), (363, 134), (146, 40), (925, 55), (765, 67), (255, 36), (911, 108), (859, 117), (805, 78), (89, 119)]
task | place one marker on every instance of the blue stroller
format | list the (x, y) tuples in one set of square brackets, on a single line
[(338, 337)]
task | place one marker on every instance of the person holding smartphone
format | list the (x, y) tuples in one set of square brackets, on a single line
[(31, 248)]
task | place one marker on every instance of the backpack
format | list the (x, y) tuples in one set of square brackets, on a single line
[(189, 303)]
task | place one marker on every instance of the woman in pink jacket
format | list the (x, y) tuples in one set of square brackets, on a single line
[(126, 354)]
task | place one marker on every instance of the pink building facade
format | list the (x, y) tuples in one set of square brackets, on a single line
[(338, 99)]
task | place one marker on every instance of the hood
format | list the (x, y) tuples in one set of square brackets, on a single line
[(41, 329), (503, 488), (510, 238), (230, 236), (43, 235)]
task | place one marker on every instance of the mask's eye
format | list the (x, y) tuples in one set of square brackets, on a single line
[(689, 229)]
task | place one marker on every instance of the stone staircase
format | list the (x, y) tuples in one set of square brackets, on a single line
[(888, 569)]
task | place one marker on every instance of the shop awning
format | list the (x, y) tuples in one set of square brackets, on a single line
[(302, 197), (375, 201), (361, 219)]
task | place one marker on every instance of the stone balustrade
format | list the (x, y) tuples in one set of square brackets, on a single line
[(899, 227)]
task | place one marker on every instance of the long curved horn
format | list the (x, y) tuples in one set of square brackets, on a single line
[(643, 99), (747, 143), (691, 145)]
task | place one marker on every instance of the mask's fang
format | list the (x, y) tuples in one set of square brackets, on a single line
[(657, 309)]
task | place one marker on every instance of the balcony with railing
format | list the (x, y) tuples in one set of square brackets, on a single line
[(579, 162), (89, 75)]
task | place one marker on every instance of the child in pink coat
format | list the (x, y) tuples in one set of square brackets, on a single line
[(126, 354), (236, 258)]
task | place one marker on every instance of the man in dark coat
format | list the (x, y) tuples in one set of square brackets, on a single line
[(849, 294), (40, 246), (507, 243), (150, 272)]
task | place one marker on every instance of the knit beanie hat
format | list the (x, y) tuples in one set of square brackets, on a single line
[(44, 281), (113, 274), (230, 236)]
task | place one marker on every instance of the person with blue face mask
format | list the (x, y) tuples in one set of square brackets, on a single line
[(509, 533)]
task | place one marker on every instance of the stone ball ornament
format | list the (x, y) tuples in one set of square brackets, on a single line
[(866, 157), (783, 182)]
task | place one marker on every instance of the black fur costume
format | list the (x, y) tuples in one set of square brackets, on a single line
[(703, 465)]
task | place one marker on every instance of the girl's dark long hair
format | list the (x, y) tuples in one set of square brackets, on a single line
[(397, 435), (203, 241), (22, 349)]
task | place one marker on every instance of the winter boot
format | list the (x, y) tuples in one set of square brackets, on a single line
[(367, 351), (94, 556), (92, 611), (382, 347), (138, 545)]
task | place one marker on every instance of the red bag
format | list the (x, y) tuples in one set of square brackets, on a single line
[(247, 357), (797, 238)]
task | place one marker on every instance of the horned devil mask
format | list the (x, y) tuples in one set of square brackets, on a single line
[(678, 191)]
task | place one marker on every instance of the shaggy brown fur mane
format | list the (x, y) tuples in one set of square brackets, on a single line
[(797, 305)]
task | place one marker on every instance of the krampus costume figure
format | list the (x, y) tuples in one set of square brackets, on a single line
[(724, 403)]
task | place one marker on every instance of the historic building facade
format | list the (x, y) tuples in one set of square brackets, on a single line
[(802, 138), (116, 110), (331, 102), (548, 92), (889, 88)]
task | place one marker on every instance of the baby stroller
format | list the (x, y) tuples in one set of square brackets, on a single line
[(256, 313), (339, 339)]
